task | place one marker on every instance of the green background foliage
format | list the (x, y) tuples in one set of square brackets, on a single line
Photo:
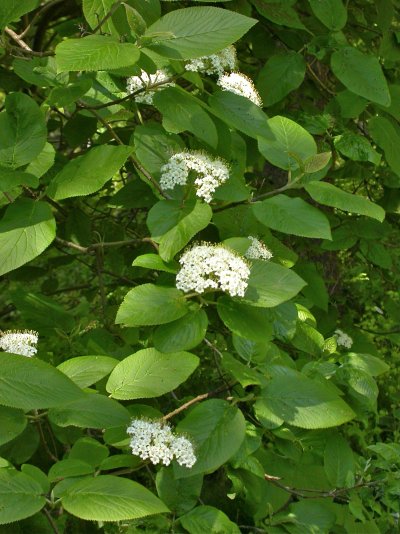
[(293, 432)]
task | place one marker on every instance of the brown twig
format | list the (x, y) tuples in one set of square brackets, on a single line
[(23, 46), (314, 493), (95, 246), (197, 399)]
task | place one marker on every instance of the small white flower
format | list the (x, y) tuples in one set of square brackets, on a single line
[(16, 342), (155, 441), (146, 81), (183, 451), (213, 266), (343, 339), (218, 63), (240, 84), (210, 172), (257, 250)]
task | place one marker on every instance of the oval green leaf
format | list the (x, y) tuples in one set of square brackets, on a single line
[(150, 373)]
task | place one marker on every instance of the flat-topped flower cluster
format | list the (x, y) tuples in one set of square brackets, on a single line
[(210, 172), (209, 266), (221, 64), (218, 63), (154, 440), (343, 339), (19, 342)]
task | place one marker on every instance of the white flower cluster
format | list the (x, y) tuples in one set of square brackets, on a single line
[(343, 339), (210, 172), (147, 81), (215, 63), (213, 266), (155, 441), (16, 342), (240, 84), (257, 250)]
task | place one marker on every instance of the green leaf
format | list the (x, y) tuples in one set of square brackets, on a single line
[(182, 113), (179, 495), (385, 136), (89, 450), (95, 52), (329, 195), (26, 230), (154, 146), (217, 429), (155, 263), (356, 147), (69, 469), (196, 31), (110, 498), (339, 462), (12, 423), (317, 163), (292, 216), (290, 145), (91, 411), (280, 75), (20, 496), (240, 113), (11, 10), (43, 161), (23, 131), (188, 226), (300, 401), (150, 373), (366, 362), (87, 370), (87, 174), (10, 178), (280, 13), (96, 10), (29, 383), (183, 334), (149, 304), (331, 13), (271, 284), (208, 519), (362, 74), (244, 320)]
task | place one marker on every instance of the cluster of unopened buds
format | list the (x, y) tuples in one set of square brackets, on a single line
[(209, 266), (210, 172), (19, 342), (155, 441), (217, 64)]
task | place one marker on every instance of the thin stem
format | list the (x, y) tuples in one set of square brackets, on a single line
[(197, 399), (8, 197), (99, 269), (23, 46), (113, 9), (51, 521), (134, 161), (43, 440), (285, 187)]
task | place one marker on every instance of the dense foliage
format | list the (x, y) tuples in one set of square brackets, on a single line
[(211, 266)]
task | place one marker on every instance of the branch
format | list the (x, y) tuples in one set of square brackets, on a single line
[(134, 161), (95, 246), (197, 399), (316, 494), (23, 46), (113, 9)]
